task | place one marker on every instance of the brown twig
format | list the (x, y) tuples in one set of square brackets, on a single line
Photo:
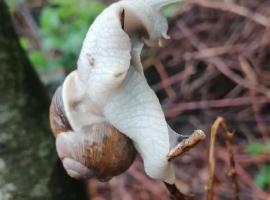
[(236, 9), (168, 81), (218, 62), (219, 122), (175, 194), (163, 75), (246, 179), (29, 26), (251, 76), (186, 144), (177, 109)]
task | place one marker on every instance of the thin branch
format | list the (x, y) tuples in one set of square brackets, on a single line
[(175, 194), (186, 144), (220, 123), (179, 108), (251, 76), (218, 63), (236, 9), (163, 75)]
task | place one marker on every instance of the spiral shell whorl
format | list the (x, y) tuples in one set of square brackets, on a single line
[(100, 147)]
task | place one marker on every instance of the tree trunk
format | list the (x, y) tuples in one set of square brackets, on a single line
[(28, 168)]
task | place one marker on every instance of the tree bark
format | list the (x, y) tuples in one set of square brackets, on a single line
[(28, 167)]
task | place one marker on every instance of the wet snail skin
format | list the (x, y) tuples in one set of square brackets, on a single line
[(105, 111)]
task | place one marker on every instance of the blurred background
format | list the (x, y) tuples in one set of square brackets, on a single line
[(217, 63)]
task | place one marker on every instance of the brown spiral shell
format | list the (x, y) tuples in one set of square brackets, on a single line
[(108, 154)]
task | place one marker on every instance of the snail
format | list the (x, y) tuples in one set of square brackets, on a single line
[(107, 101), (105, 151)]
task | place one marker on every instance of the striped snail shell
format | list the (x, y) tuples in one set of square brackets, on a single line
[(99, 147)]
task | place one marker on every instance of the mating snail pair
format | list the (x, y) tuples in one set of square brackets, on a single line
[(105, 110)]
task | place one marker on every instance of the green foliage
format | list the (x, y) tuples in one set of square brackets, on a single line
[(170, 10), (258, 148), (63, 25), (262, 178), (13, 3)]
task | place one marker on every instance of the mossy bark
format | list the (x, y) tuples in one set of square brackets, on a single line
[(28, 168)]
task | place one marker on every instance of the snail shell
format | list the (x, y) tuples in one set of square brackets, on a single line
[(103, 149), (58, 121)]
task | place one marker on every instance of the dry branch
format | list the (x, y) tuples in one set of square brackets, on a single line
[(236, 9), (186, 144), (220, 123), (175, 194)]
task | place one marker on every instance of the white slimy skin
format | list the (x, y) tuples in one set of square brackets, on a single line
[(109, 85)]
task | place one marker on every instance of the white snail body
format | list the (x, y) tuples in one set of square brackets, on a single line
[(109, 85)]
